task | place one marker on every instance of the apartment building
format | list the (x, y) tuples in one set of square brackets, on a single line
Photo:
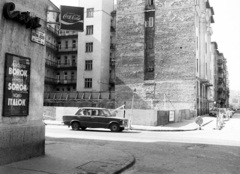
[(94, 46), (61, 56), (80, 61), (163, 55), (221, 81)]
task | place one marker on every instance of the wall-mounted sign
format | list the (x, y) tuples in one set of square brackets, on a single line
[(21, 17), (38, 37), (72, 18), (16, 85)]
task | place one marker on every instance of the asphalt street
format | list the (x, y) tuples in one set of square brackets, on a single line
[(206, 151)]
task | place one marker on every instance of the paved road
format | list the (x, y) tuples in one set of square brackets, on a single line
[(205, 151)]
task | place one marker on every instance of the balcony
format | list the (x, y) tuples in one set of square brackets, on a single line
[(112, 61), (53, 30), (220, 61), (50, 64), (50, 80), (67, 65), (113, 13), (51, 46), (67, 49), (113, 46), (68, 34), (66, 81), (150, 7), (113, 29), (54, 81)]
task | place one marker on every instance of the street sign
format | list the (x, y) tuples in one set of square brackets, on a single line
[(38, 37)]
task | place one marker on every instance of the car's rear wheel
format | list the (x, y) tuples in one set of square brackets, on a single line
[(75, 126), (114, 127), (83, 128)]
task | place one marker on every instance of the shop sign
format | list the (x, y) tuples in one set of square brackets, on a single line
[(16, 85), (71, 18), (21, 17), (38, 37)]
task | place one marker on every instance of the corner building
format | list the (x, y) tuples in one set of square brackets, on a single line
[(163, 57)]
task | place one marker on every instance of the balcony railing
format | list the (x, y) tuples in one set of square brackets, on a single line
[(52, 46), (52, 29), (112, 61), (50, 63), (68, 33), (112, 46), (60, 81), (220, 61), (66, 65), (113, 29), (67, 49)]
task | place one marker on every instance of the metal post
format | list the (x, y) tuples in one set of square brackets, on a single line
[(124, 112), (130, 122)]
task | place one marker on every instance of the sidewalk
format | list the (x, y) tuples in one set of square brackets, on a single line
[(186, 125), (69, 158)]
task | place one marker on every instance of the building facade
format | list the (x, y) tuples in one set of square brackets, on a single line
[(94, 46), (163, 55), (61, 56), (80, 65)]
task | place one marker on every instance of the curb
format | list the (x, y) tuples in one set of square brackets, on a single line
[(173, 130), (130, 163)]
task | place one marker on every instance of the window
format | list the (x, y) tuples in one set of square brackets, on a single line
[(89, 47), (65, 60), (90, 12), (89, 30), (74, 43), (150, 44), (65, 75), (73, 75), (73, 60), (88, 65), (66, 44), (59, 45), (58, 61), (150, 22), (88, 83)]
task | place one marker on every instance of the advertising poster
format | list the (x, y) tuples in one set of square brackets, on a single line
[(71, 18), (16, 85)]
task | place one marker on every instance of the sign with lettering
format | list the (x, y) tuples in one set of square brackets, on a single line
[(16, 85), (71, 18), (38, 37), (21, 17)]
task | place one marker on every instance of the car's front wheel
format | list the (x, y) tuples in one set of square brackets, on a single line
[(75, 126), (114, 127)]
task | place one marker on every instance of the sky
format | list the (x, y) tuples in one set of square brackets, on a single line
[(226, 32)]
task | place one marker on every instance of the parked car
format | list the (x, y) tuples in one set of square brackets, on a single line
[(90, 117)]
